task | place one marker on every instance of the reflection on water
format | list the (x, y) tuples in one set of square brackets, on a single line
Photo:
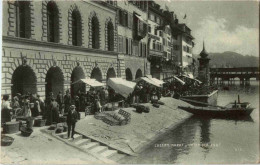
[(204, 140)]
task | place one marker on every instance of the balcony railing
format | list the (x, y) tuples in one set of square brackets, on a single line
[(157, 53)]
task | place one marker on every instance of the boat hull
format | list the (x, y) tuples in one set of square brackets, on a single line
[(230, 113), (202, 100)]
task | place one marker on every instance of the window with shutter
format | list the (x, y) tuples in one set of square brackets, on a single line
[(119, 44), (23, 20), (121, 17), (126, 18), (141, 49), (131, 47), (130, 20), (145, 55), (123, 43), (126, 46)]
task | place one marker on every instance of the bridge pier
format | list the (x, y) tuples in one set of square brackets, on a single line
[(229, 81), (247, 82), (242, 81)]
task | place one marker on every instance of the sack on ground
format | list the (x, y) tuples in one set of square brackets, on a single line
[(156, 105)]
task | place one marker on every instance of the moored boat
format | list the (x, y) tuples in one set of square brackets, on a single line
[(231, 110)]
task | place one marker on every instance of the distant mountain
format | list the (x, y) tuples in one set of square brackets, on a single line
[(231, 59)]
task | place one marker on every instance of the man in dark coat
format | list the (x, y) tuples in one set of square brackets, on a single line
[(60, 101), (67, 101), (103, 96), (77, 104), (72, 118)]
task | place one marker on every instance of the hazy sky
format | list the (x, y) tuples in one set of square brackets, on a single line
[(224, 25)]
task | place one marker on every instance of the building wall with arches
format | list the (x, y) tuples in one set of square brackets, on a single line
[(40, 55), (40, 61)]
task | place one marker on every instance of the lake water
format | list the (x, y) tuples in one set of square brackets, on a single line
[(199, 141)]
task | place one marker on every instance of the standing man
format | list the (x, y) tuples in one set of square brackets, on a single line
[(71, 120), (67, 101), (60, 101), (77, 104), (54, 107), (103, 96)]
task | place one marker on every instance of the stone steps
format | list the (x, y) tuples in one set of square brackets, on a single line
[(99, 149), (116, 157), (82, 142), (92, 147), (76, 137), (109, 153)]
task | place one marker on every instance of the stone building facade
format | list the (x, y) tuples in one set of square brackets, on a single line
[(47, 45), (130, 47)]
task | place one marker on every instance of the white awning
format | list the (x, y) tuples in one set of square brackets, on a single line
[(90, 82), (146, 79), (160, 82), (198, 81), (182, 82), (140, 18), (121, 86), (192, 78), (184, 64)]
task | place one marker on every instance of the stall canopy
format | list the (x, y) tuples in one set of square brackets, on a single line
[(192, 79), (182, 82), (159, 82), (90, 82), (146, 79), (121, 86)]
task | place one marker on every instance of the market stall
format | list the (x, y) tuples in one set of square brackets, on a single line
[(148, 80), (182, 82), (121, 86), (90, 82), (191, 78)]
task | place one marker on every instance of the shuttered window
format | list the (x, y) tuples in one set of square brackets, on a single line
[(130, 20), (120, 44)]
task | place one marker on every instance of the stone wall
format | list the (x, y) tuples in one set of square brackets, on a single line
[(41, 57)]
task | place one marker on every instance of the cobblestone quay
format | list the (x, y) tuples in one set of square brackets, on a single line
[(143, 128)]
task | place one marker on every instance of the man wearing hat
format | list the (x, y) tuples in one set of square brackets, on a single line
[(72, 118)]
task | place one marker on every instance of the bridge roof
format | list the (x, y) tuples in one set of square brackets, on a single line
[(240, 69)]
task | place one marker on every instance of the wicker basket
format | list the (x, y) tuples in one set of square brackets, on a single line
[(6, 140), (59, 130), (26, 131), (63, 119), (11, 127), (39, 123)]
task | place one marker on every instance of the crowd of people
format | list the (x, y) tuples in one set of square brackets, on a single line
[(144, 93), (32, 105)]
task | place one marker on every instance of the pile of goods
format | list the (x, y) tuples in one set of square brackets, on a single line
[(26, 131), (6, 140), (141, 108), (114, 118), (157, 104)]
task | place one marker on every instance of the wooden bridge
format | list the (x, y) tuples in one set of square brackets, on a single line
[(219, 75)]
